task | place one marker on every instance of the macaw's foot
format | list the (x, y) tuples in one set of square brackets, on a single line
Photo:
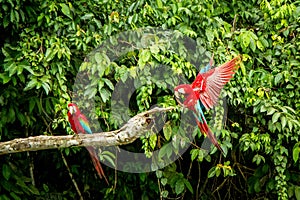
[(74, 135)]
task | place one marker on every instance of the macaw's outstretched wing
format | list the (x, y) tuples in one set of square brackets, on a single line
[(214, 81), (204, 129), (97, 163)]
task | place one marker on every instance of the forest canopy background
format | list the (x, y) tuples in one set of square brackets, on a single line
[(43, 44)]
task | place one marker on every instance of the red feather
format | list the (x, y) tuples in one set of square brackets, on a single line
[(204, 129), (96, 163)]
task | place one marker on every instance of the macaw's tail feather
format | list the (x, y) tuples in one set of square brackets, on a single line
[(97, 163), (214, 140), (206, 130)]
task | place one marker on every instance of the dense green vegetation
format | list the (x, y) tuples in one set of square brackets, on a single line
[(44, 43)]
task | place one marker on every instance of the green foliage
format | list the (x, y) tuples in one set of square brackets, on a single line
[(43, 45), (216, 171), (169, 177)]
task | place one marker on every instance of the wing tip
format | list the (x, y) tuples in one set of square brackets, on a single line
[(238, 59)]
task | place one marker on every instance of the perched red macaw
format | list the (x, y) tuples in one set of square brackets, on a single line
[(204, 92), (80, 124)]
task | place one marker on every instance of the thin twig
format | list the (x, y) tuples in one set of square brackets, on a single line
[(204, 186), (31, 165), (233, 23), (220, 186), (199, 179), (71, 176), (241, 173), (174, 197), (116, 172), (235, 187), (284, 29), (159, 187), (190, 169), (43, 110), (31, 168)]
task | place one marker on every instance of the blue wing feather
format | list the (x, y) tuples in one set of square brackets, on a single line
[(205, 69), (208, 66), (85, 125), (200, 114)]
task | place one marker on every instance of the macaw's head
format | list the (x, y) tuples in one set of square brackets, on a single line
[(185, 95), (73, 108)]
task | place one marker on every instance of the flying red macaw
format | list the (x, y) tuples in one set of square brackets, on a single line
[(204, 92), (80, 124)]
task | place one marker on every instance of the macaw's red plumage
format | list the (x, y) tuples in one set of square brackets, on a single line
[(80, 125), (204, 92)]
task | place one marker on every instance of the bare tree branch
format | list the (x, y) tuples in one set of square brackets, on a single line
[(133, 129)]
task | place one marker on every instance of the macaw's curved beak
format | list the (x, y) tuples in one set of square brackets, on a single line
[(179, 97), (181, 93)]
